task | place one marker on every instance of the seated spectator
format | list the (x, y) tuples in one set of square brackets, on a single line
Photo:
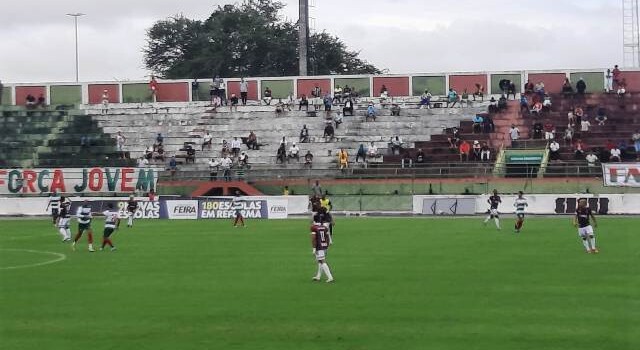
[(487, 124), (578, 149), (281, 154), (601, 116), (420, 158), (524, 103), (514, 133), (464, 149), (528, 87), (452, 97), (294, 152), (252, 141), (539, 89), (142, 162), (554, 150), (384, 94), (207, 139), (591, 159), (537, 108), (191, 155), (226, 149), (329, 133), (581, 86), (615, 155), (454, 139), (546, 104), (234, 103), (502, 103), (343, 159), (30, 101), (635, 138), (42, 102), (235, 146), (317, 103), (395, 110), (280, 107), (372, 151), (578, 114), (148, 153), (362, 153), (396, 145), (549, 131), (622, 88), (337, 119), (348, 107), (477, 123), (173, 167), (571, 118), (214, 166), (266, 96), (479, 92), (485, 152), (538, 129), (304, 102), (567, 89), (304, 134), (585, 126), (159, 139), (464, 99), (425, 100), (328, 102), (159, 154), (568, 134), (493, 105), (308, 160), (337, 94), (477, 150), (622, 146), (371, 112)]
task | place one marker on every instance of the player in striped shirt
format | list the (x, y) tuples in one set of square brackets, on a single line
[(84, 217), (111, 223), (236, 204), (520, 204), (54, 203)]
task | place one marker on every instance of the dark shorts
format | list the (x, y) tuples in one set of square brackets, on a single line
[(84, 227), (54, 213), (108, 231), (238, 214)]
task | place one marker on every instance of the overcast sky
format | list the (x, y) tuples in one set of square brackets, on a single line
[(404, 36)]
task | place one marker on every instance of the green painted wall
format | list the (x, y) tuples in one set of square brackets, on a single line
[(66, 94), (435, 85), (279, 88), (6, 96), (136, 93), (361, 85), (594, 80), (495, 82)]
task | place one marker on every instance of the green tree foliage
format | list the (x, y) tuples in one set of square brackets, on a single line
[(243, 40)]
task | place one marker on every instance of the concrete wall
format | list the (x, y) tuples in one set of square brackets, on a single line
[(397, 86), (279, 88), (137, 92), (95, 93), (594, 80), (468, 82), (633, 81), (437, 85), (233, 87), (173, 92), (552, 81), (360, 85), (65, 94), (7, 96), (23, 91), (495, 82), (305, 86)]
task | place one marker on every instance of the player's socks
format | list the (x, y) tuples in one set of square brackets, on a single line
[(319, 273), (90, 238), (497, 222), (91, 248), (487, 219), (327, 272), (63, 233), (130, 221), (585, 242), (68, 234), (592, 241)]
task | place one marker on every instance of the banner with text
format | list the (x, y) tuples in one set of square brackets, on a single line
[(621, 174), (222, 208), (76, 181)]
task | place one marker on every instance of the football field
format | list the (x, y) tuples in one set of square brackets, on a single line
[(400, 284)]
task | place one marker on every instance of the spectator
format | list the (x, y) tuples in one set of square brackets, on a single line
[(622, 88), (159, 139), (554, 150), (524, 103), (493, 105), (615, 154), (371, 112), (337, 94), (578, 114), (487, 123), (328, 102), (191, 154), (464, 99), (347, 92), (514, 133), (546, 103), (591, 159), (464, 149), (372, 151), (303, 102), (581, 86), (42, 102), (395, 110), (294, 152), (266, 96), (512, 90), (226, 149), (601, 116), (153, 86), (105, 101), (425, 100), (343, 158), (616, 76), (549, 130), (316, 92), (281, 154), (578, 149), (396, 144), (173, 167), (207, 139), (304, 134), (454, 139), (485, 152), (244, 91), (420, 157), (159, 154), (528, 87), (214, 166), (571, 118), (120, 142), (222, 92), (585, 126), (479, 92), (235, 146), (538, 129), (30, 101), (567, 89), (452, 97), (348, 107), (195, 90), (477, 123), (608, 82), (539, 89), (234, 103), (568, 134), (225, 165), (317, 103), (537, 108), (329, 133), (362, 153), (503, 84), (477, 150), (142, 162), (636, 143), (502, 103), (148, 153), (243, 160), (252, 141), (308, 159), (337, 119), (384, 94)]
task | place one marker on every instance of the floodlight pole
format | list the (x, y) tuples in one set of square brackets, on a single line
[(75, 20), (303, 37)]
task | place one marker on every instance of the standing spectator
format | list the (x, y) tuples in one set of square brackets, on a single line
[(159, 139), (371, 112), (120, 142), (514, 133), (396, 145), (581, 86), (554, 148), (173, 167), (329, 133), (328, 102), (452, 97), (493, 105), (420, 157), (538, 129), (234, 103), (304, 134), (601, 116), (487, 124), (568, 134), (191, 155), (235, 146), (372, 151), (222, 92), (549, 130), (616, 76), (567, 89), (479, 92), (225, 165), (225, 149), (195, 90), (502, 103), (477, 150), (337, 119), (343, 158), (207, 139), (425, 100), (529, 87), (578, 149), (362, 153), (524, 103), (214, 166), (153, 86), (316, 190), (266, 96), (348, 107), (294, 152), (512, 90), (105, 101), (485, 152), (252, 141), (281, 154), (303, 102), (615, 154), (308, 159), (316, 92), (464, 149), (608, 82), (585, 126), (636, 143), (591, 159), (244, 91)]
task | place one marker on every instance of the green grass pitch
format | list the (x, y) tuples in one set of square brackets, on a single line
[(400, 284)]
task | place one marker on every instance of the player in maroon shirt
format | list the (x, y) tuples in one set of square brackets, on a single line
[(585, 230), (320, 241)]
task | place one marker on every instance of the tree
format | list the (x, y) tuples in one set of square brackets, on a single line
[(243, 40)]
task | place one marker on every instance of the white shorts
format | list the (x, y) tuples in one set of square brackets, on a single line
[(493, 212), (585, 231), (63, 222), (321, 254)]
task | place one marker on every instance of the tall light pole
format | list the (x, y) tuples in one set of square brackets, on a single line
[(303, 37), (75, 20)]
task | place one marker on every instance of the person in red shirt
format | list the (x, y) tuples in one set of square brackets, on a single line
[(616, 76), (153, 86), (464, 148)]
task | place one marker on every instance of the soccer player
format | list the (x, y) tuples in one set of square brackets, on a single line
[(132, 206), (320, 241), (236, 203), (63, 220), (585, 231), (494, 201), (326, 203), (328, 219), (54, 203), (520, 204), (111, 223), (84, 224)]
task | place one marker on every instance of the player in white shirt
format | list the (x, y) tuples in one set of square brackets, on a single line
[(111, 223), (520, 204), (236, 204), (84, 217)]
